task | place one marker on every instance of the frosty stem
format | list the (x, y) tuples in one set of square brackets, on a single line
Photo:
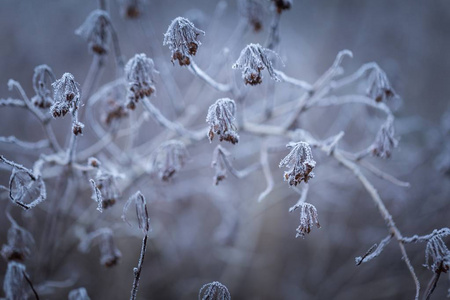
[(138, 269)]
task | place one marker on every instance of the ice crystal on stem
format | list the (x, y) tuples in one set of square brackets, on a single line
[(379, 87), (168, 159), (252, 60), (214, 291), (139, 73), (308, 218), (221, 120), (182, 39), (299, 162), (66, 96), (42, 85), (385, 140), (96, 31)]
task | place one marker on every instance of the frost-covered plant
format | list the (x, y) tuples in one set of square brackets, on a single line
[(252, 60), (221, 119), (139, 72), (253, 12), (96, 30), (182, 39), (385, 141), (104, 239), (19, 243), (79, 294), (168, 159), (308, 218), (17, 285), (66, 96), (379, 87), (214, 291), (131, 8), (42, 84), (299, 162)]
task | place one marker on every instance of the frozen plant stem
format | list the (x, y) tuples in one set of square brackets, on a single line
[(138, 269), (205, 77)]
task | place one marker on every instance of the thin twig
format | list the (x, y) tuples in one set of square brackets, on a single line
[(196, 70), (138, 269)]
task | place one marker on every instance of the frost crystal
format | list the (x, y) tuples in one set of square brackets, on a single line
[(214, 291), (439, 254), (141, 211), (252, 60), (308, 218), (19, 242), (66, 96), (139, 73), (96, 31), (15, 284), (42, 85), (221, 117), (182, 39), (299, 162), (379, 87), (79, 294), (253, 11), (385, 141), (168, 159)]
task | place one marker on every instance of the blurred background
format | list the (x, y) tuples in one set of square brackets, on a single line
[(201, 232)]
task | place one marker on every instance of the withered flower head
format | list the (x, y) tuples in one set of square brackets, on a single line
[(385, 140), (131, 8), (299, 162), (282, 5), (168, 159), (15, 284), (141, 211), (252, 60), (214, 291), (19, 242), (96, 30), (221, 118), (66, 96), (379, 87), (182, 39), (77, 127), (308, 218), (104, 238), (42, 85), (439, 254), (25, 189), (105, 191), (253, 11), (139, 72), (79, 294)]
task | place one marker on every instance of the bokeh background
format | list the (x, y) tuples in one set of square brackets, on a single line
[(202, 232)]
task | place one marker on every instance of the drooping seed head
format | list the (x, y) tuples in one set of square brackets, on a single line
[(139, 72), (168, 159), (379, 87), (299, 162), (437, 255), (221, 120), (19, 242), (42, 85), (214, 291), (252, 60), (385, 140), (182, 39), (141, 211), (308, 218), (253, 12), (66, 96), (131, 8), (96, 30)]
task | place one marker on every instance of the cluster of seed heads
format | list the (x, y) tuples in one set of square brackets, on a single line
[(299, 162), (96, 30), (221, 120), (385, 140), (42, 84), (168, 159), (66, 96), (380, 88)]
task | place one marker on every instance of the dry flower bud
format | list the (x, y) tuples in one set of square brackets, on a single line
[(15, 284), (379, 87), (19, 242), (66, 96), (42, 85), (79, 294), (308, 218), (439, 254), (105, 191), (103, 237), (77, 128), (131, 8), (252, 60), (96, 30), (182, 39), (299, 162), (139, 73), (214, 291), (385, 140), (253, 11), (141, 211), (282, 5), (168, 159), (221, 118)]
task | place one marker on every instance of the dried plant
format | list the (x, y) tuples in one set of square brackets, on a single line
[(214, 291), (221, 120)]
